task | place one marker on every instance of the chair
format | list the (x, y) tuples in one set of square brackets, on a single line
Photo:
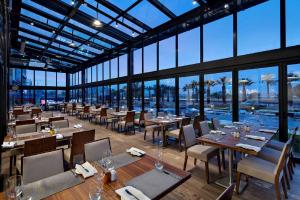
[(227, 194), (177, 133), (265, 170), (85, 112), (102, 116), (75, 154), (198, 151), (216, 123), (128, 122), (196, 124), (69, 109), (18, 111), (149, 126), (36, 111), (53, 119), (25, 122), (110, 119), (204, 128), (140, 122), (23, 116), (95, 150), (27, 128), (47, 114), (60, 123), (40, 166)]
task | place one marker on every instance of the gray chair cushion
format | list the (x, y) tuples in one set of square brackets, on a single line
[(47, 114), (42, 166), (28, 128), (204, 127), (77, 159), (95, 150), (23, 117), (202, 152), (153, 128), (61, 123), (270, 155), (274, 144), (189, 135)]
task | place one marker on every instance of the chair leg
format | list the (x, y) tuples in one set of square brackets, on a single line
[(195, 161), (223, 158), (219, 163), (145, 134), (283, 187), (286, 177), (293, 159), (207, 172), (185, 162), (290, 171), (238, 179), (277, 190)]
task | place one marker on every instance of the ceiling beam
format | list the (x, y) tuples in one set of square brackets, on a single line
[(163, 8)]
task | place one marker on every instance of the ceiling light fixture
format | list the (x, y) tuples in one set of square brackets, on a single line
[(116, 24), (133, 33), (72, 2), (97, 22), (53, 31), (226, 6), (32, 24), (195, 2)]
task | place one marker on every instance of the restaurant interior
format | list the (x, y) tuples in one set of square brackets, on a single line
[(149, 99)]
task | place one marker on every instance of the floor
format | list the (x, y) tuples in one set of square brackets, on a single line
[(195, 187)]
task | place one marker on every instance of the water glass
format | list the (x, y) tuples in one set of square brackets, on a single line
[(158, 163), (95, 194), (13, 187)]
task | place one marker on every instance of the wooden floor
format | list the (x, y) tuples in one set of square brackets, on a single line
[(194, 188)]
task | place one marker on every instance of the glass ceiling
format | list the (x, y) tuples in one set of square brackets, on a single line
[(47, 27)]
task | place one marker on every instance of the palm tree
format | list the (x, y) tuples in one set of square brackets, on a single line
[(223, 81), (186, 88), (245, 82), (291, 77), (149, 88), (209, 83), (269, 79), (195, 87)]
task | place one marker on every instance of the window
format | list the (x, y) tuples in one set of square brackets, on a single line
[(40, 78), (114, 96), (137, 96), (106, 70), (72, 78), (15, 76), (79, 95), (61, 79), (51, 99), (51, 79), (150, 96), (79, 78), (218, 39), (137, 61), (292, 22), (218, 96), (189, 96), (87, 95), (123, 63), (123, 96), (88, 74), (106, 91), (61, 96), (258, 96), (100, 72), (94, 95), (150, 58), (167, 53), (27, 77), (189, 47), (293, 86), (28, 96), (167, 96), (40, 97), (114, 68), (100, 94), (94, 73), (267, 28), (15, 98)]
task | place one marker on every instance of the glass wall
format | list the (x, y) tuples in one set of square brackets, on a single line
[(100, 94), (61, 95), (61, 79), (189, 89), (51, 99), (137, 96), (27, 77), (137, 61), (40, 97), (94, 73), (114, 68), (167, 53), (123, 65), (15, 98), (123, 95), (94, 95), (106, 70), (15, 77), (150, 96), (87, 96), (28, 96), (114, 96), (150, 58), (106, 92), (258, 96), (100, 72), (292, 22), (40, 78), (51, 79), (218, 96), (167, 96)]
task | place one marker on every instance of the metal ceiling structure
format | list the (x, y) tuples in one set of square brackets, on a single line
[(68, 34)]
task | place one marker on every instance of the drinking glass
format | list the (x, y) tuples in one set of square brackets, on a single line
[(95, 193), (13, 187), (158, 163)]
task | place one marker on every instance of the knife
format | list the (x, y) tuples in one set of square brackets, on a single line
[(85, 169), (128, 192)]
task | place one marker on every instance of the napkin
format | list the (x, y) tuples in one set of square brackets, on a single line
[(238, 123), (217, 131), (134, 194), (228, 126), (59, 136), (267, 131), (255, 137), (77, 126), (86, 170), (8, 144), (250, 147), (135, 151)]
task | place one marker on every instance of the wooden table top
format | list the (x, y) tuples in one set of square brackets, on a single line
[(164, 121), (229, 141), (126, 173)]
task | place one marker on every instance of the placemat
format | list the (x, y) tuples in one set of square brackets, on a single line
[(123, 159)]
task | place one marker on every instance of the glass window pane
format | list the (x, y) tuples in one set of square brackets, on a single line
[(178, 7), (218, 96), (40, 97), (100, 94), (167, 53), (27, 77), (51, 99), (51, 78), (150, 58), (28, 96), (100, 75), (218, 39), (123, 96), (137, 96), (258, 31), (61, 96), (15, 76), (87, 95), (106, 90), (258, 96), (123, 63), (189, 47), (292, 22), (94, 73), (61, 79), (14, 98), (150, 96), (106, 69), (40, 78), (167, 96), (94, 95), (114, 67), (79, 78), (137, 61), (114, 96), (189, 89)]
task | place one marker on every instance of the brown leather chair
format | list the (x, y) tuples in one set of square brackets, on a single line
[(36, 111), (196, 125), (25, 122), (102, 116), (140, 122), (85, 113), (76, 152), (128, 122)]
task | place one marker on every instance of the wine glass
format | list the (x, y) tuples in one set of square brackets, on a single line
[(158, 163), (13, 187)]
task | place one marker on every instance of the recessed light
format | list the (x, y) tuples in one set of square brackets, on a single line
[(72, 2), (53, 31), (194, 2), (226, 6), (97, 23), (116, 24), (133, 33), (72, 44), (32, 24)]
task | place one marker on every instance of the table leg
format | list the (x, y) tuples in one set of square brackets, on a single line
[(164, 136), (10, 165)]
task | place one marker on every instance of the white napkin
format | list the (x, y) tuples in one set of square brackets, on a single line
[(255, 137), (77, 126), (86, 170), (135, 151), (8, 144), (217, 131), (267, 131), (250, 147), (137, 194), (59, 136), (238, 123), (229, 126)]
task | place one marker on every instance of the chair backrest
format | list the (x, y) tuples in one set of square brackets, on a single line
[(60, 123), (282, 158), (40, 145), (204, 128), (148, 116), (130, 116), (78, 141), (24, 122), (52, 119), (196, 123), (47, 114), (95, 150), (227, 194), (23, 116), (216, 123), (98, 106), (103, 112), (18, 111), (185, 121), (43, 165), (161, 114), (142, 115), (36, 111), (86, 109), (189, 135), (27, 128), (293, 136)]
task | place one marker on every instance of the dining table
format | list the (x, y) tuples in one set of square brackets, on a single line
[(133, 172), (247, 140)]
